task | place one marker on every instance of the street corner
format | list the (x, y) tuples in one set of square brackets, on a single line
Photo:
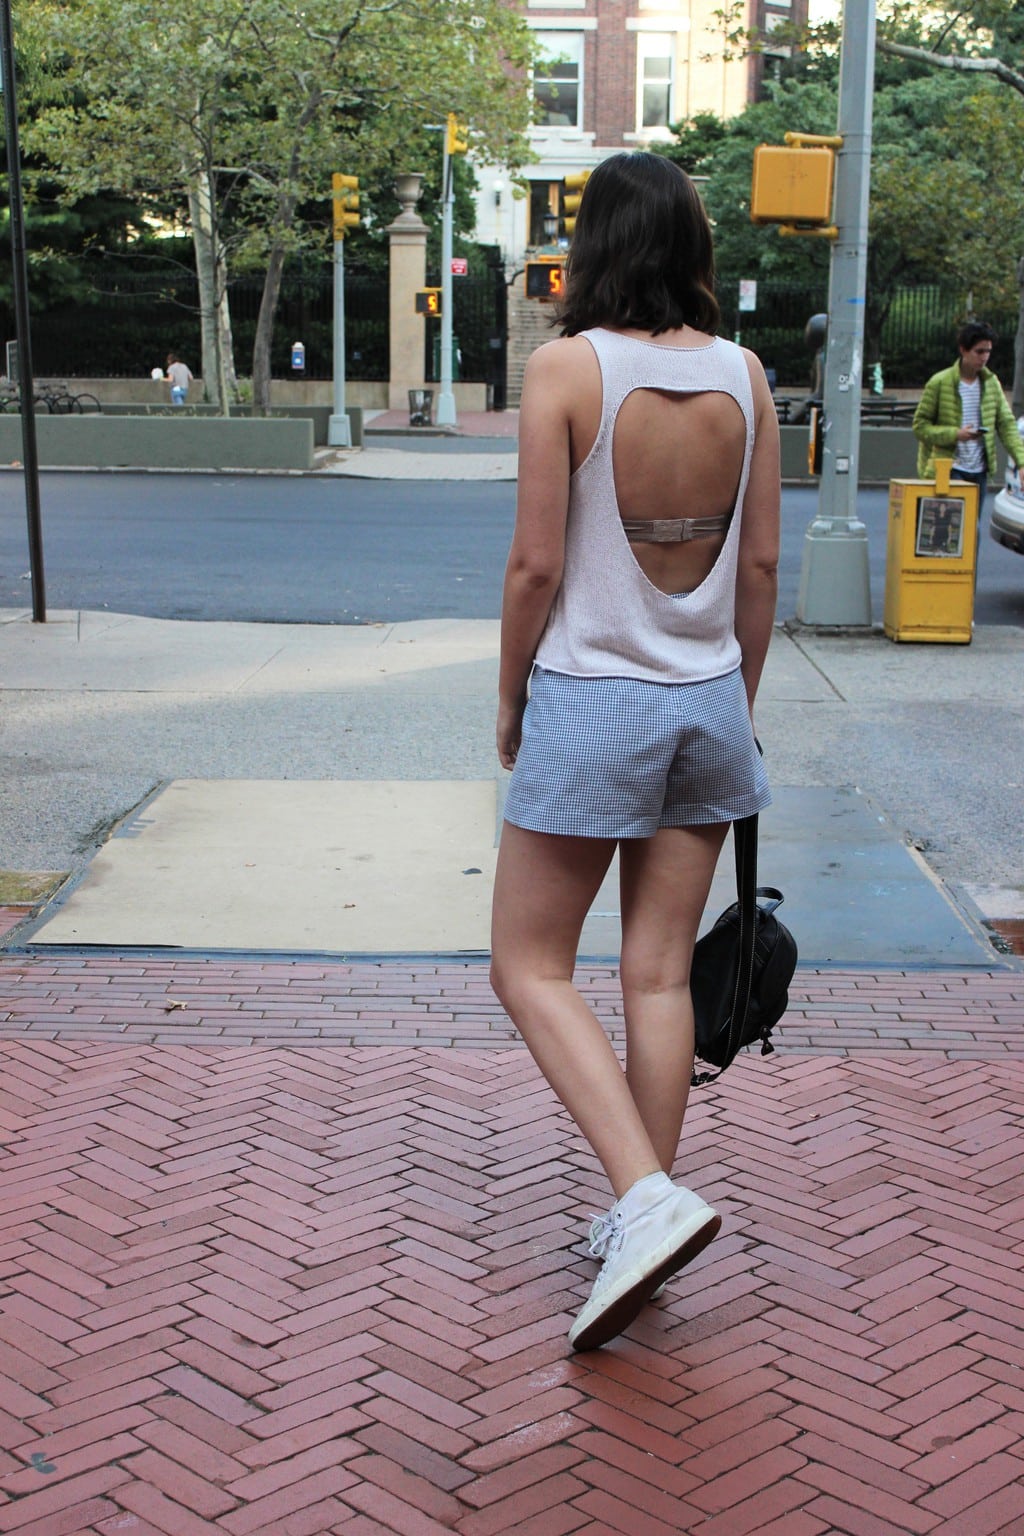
[(23, 895)]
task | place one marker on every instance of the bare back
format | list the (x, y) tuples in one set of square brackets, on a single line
[(674, 455)]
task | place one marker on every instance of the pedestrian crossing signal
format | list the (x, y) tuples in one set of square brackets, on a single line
[(428, 301), (455, 138), (346, 203), (571, 199), (544, 280)]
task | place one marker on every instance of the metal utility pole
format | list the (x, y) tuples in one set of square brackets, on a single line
[(446, 414), (346, 202), (19, 272), (339, 431), (834, 582)]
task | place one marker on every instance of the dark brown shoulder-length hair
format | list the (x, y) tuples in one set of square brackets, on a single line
[(641, 254)]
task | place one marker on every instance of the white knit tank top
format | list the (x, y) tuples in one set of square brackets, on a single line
[(608, 619)]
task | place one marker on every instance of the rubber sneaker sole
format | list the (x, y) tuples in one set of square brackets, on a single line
[(616, 1305)]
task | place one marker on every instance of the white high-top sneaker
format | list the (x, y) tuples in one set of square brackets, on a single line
[(651, 1233), (598, 1237)]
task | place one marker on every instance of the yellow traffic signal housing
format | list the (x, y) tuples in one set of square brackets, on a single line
[(571, 199), (545, 279), (428, 301), (792, 185), (346, 203), (455, 135)]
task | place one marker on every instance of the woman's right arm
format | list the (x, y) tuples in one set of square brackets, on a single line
[(757, 576), (535, 560)]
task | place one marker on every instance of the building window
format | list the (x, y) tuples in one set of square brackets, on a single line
[(557, 80), (655, 54)]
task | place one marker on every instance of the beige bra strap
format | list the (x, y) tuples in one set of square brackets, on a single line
[(675, 530)]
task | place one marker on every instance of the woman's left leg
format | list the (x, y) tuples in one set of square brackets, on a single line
[(665, 880)]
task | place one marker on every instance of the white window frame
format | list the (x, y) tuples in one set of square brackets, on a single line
[(568, 43), (654, 45)]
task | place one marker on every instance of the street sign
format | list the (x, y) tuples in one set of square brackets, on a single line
[(460, 266), (748, 293)]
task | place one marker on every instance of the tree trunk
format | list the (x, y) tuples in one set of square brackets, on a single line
[(265, 330), (214, 316), (225, 340), (1018, 346)]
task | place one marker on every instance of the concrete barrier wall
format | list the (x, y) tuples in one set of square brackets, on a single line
[(319, 415), (886, 453), (160, 442)]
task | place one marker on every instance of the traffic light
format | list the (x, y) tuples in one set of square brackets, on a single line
[(545, 279), (455, 136), (428, 301), (792, 183), (572, 197), (346, 203)]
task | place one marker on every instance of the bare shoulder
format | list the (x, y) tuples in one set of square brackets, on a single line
[(754, 367), (561, 362), (758, 380)]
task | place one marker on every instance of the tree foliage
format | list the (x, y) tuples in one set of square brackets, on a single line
[(240, 110), (947, 160)]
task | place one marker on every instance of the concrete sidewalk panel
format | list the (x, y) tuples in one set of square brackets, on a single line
[(113, 653), (402, 867), (385, 867), (865, 669), (855, 893)]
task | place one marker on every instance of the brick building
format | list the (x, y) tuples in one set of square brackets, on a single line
[(616, 74)]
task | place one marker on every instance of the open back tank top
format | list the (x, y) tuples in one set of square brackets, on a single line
[(608, 619)]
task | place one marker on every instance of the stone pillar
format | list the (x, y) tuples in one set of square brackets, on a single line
[(407, 238)]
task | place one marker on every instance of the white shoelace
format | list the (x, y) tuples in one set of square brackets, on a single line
[(606, 1235)]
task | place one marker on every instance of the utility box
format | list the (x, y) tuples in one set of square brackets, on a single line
[(930, 558), (792, 185)]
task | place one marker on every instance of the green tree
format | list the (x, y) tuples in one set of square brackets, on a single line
[(244, 108), (945, 172), (979, 41)]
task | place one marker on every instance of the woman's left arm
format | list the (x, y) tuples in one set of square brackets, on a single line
[(535, 561), (758, 568)]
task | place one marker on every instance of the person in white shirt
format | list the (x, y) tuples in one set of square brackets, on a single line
[(638, 606), (179, 377)]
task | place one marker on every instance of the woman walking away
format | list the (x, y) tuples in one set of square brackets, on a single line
[(639, 601)]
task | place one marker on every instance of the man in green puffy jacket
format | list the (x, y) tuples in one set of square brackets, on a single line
[(962, 411)]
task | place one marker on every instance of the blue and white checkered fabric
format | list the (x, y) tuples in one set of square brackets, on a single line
[(620, 757)]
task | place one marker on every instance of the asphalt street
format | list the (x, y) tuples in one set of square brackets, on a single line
[(332, 550)]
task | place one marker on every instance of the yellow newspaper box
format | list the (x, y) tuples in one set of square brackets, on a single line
[(929, 566)]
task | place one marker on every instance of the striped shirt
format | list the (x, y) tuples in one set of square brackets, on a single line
[(970, 453)]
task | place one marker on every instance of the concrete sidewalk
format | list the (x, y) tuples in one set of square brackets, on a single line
[(293, 1240), (235, 767)]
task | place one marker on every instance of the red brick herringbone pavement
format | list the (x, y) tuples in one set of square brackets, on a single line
[(287, 1249)]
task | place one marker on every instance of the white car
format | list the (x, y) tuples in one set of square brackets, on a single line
[(1006, 524)]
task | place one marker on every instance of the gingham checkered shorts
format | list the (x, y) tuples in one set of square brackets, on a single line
[(620, 757)]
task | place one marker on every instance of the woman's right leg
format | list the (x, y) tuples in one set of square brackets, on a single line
[(544, 887)]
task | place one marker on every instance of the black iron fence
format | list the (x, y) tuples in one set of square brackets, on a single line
[(127, 321), (917, 337), (479, 332), (125, 324)]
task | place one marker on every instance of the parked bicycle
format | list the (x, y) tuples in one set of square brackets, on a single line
[(49, 400)]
